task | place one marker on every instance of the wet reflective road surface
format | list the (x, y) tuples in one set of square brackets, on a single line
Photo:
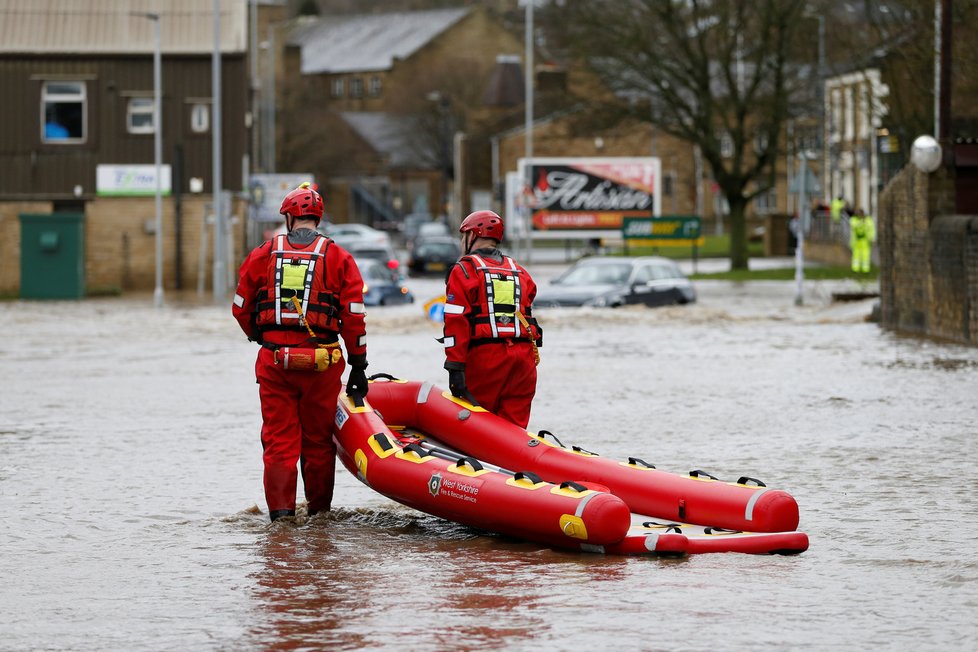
[(133, 515)]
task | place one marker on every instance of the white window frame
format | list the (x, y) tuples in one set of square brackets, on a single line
[(766, 203), (337, 87), (147, 107), (48, 97), (726, 144), (200, 109), (375, 86)]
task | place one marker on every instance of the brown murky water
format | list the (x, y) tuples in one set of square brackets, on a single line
[(133, 516)]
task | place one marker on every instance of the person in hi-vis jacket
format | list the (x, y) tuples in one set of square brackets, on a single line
[(490, 336), (862, 235), (298, 295)]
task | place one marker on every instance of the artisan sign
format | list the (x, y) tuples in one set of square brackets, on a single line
[(680, 229), (590, 193)]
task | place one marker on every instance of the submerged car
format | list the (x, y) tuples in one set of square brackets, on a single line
[(379, 288), (617, 281), (385, 254), (434, 254)]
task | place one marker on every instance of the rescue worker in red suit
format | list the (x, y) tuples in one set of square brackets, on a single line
[(297, 295), (491, 337)]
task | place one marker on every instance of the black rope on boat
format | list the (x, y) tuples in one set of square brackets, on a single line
[(543, 435), (637, 461), (578, 449), (383, 376), (471, 461), (570, 484), (529, 475), (746, 480), (702, 474), (417, 448), (669, 527), (383, 441)]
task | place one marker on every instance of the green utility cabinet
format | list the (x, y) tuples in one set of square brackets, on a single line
[(52, 256)]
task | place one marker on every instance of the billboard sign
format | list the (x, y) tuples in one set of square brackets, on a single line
[(580, 194)]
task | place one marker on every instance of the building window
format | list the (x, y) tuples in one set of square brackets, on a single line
[(375, 86), (63, 112), (726, 144), (356, 87), (835, 121), (139, 116), (337, 87), (667, 183), (766, 202), (200, 118), (849, 124)]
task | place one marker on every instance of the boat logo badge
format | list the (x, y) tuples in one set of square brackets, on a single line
[(341, 416), (434, 484)]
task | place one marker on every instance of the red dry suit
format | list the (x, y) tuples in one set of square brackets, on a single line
[(484, 336), (298, 406)]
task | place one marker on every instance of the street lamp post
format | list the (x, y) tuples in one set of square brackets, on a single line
[(800, 228), (157, 154)]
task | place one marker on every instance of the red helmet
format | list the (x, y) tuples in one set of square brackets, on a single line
[(303, 202), (485, 224)]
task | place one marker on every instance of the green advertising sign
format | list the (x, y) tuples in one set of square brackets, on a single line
[(676, 227)]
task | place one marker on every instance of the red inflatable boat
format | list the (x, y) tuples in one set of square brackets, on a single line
[(712, 515), (462, 489)]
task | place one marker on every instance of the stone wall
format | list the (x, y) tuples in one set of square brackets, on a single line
[(120, 243), (928, 259)]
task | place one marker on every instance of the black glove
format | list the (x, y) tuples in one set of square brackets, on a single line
[(456, 383), (356, 384)]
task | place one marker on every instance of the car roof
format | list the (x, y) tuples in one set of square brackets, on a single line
[(631, 260)]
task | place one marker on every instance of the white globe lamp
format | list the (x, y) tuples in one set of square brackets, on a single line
[(926, 154)]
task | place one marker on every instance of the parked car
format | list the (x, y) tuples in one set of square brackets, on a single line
[(345, 234), (425, 230), (411, 223), (379, 289), (433, 254), (617, 281), (385, 254)]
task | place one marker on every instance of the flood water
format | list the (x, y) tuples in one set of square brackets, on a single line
[(134, 519)]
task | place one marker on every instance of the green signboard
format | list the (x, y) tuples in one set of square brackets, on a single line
[(676, 227)]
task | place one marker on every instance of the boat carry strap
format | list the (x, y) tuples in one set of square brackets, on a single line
[(383, 376), (570, 484), (637, 461), (542, 434), (383, 441), (745, 480), (720, 530), (417, 448), (669, 527), (578, 449), (471, 461), (529, 475), (703, 474)]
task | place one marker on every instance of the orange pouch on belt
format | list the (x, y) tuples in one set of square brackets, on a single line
[(296, 359)]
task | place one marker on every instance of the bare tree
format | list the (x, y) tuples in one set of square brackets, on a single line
[(720, 75)]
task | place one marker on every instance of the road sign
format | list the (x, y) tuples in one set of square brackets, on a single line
[(676, 227)]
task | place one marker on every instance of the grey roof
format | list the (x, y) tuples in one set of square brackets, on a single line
[(363, 43), (388, 134), (109, 26)]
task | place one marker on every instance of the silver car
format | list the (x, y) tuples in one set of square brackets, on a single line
[(617, 281)]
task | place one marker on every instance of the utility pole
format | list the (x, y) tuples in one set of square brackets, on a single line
[(220, 228), (528, 129)]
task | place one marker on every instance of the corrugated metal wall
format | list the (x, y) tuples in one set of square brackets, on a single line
[(32, 169)]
